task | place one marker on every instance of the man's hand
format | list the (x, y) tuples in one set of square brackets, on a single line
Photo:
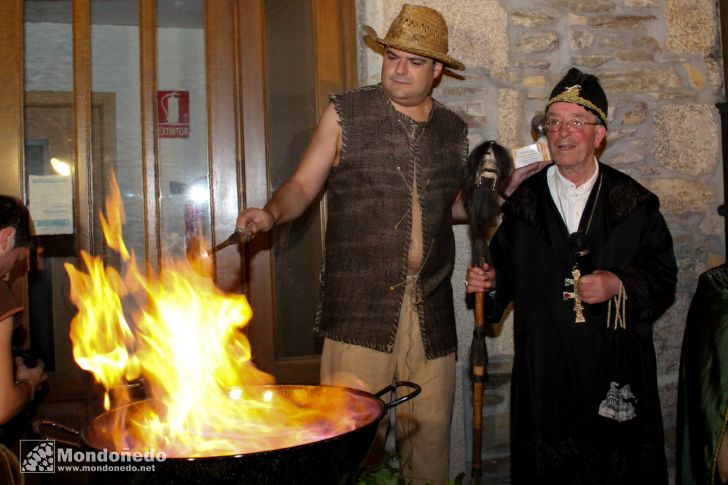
[(598, 287), (522, 173), (480, 280), (33, 375), (256, 220)]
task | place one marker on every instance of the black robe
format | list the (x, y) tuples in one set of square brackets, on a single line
[(562, 370)]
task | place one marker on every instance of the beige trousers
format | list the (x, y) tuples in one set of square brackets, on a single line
[(422, 424)]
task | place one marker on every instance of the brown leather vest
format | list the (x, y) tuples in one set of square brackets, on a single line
[(369, 205)]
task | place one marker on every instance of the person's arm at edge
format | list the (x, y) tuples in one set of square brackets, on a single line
[(297, 193), (14, 395), (722, 461)]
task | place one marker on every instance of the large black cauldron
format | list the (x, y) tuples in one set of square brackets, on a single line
[(335, 460)]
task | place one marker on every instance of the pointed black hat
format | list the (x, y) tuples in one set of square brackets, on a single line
[(581, 88)]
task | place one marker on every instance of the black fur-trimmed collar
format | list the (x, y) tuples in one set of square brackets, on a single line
[(621, 192)]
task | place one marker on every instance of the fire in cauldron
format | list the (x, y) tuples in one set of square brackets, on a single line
[(208, 408)]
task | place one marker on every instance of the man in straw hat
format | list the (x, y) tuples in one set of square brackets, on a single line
[(587, 259), (391, 158)]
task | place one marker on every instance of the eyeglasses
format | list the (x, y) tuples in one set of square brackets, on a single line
[(574, 125)]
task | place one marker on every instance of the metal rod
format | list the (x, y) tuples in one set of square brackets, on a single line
[(241, 235)]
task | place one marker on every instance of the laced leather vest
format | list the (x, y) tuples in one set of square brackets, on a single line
[(369, 205)]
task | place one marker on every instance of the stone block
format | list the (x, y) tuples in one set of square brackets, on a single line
[(592, 61), (614, 135), (636, 114), (573, 19), (510, 117), (581, 39), (634, 81), (681, 196), (584, 6), (538, 43), (531, 82), (690, 130), (622, 22), (695, 76), (636, 56), (533, 18), (539, 64), (690, 26), (640, 3), (715, 74), (646, 42), (611, 42)]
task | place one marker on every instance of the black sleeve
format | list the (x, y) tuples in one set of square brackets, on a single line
[(501, 251), (650, 277)]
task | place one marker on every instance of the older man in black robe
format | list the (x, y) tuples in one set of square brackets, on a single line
[(587, 259)]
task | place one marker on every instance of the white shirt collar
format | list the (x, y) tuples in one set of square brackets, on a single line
[(570, 200)]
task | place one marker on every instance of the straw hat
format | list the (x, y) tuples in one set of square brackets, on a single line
[(418, 30)]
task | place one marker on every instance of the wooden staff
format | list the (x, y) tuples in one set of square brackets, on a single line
[(489, 164), (478, 359)]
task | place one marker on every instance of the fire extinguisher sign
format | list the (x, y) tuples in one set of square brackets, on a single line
[(173, 114)]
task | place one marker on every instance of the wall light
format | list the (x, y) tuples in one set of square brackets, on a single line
[(198, 193), (61, 167)]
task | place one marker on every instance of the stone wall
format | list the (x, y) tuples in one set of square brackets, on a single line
[(660, 63)]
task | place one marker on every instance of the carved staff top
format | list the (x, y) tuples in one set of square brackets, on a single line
[(489, 165)]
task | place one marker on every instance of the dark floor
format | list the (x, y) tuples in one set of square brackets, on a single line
[(497, 471)]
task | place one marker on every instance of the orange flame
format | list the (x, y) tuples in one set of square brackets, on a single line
[(185, 342)]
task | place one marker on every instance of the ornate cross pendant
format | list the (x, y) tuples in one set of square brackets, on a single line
[(568, 295)]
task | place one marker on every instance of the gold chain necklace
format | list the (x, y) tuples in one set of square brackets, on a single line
[(594, 205)]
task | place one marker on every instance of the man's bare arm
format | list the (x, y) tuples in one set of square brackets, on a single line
[(459, 214), (295, 195), (17, 386)]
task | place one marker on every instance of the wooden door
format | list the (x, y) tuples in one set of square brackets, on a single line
[(116, 63), (308, 50)]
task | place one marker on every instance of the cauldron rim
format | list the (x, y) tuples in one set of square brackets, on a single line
[(332, 460), (89, 428)]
